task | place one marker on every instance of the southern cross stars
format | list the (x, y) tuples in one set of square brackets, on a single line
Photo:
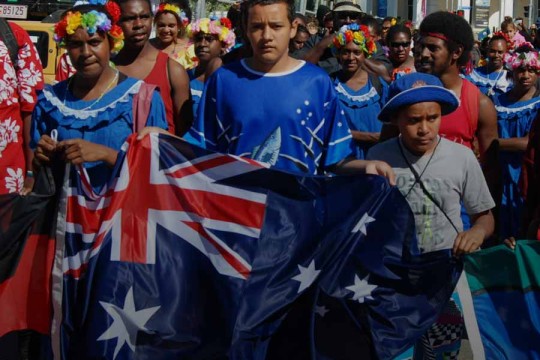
[(361, 225), (126, 322), (307, 276), (362, 289)]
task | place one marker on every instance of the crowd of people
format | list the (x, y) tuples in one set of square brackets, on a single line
[(345, 94)]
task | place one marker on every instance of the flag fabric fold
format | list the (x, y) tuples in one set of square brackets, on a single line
[(504, 285), (189, 254), (26, 255)]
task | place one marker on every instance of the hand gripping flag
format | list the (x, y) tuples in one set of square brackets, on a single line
[(189, 254)]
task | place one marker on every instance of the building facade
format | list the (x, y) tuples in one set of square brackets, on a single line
[(479, 13)]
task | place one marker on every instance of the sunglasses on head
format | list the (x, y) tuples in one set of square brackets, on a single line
[(396, 45)]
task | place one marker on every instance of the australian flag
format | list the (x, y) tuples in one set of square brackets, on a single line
[(189, 254)]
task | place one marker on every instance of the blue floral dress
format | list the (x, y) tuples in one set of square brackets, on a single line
[(513, 120), (108, 121), (361, 109)]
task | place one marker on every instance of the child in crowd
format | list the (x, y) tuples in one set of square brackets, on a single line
[(509, 28), (277, 109), (435, 175)]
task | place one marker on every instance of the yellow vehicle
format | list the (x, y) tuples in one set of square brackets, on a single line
[(42, 37)]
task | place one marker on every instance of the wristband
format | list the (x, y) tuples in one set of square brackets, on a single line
[(29, 174)]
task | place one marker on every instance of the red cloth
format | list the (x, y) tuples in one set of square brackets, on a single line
[(25, 298), (159, 77), (460, 126), (528, 181), (17, 95)]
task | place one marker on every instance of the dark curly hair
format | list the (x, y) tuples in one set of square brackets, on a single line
[(455, 28), (248, 4), (396, 29)]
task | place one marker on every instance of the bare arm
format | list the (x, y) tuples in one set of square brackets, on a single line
[(470, 240), (378, 68), (351, 166), (514, 144), (365, 137), (487, 126), (181, 95), (314, 55)]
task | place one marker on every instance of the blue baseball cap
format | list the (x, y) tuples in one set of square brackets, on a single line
[(416, 88)]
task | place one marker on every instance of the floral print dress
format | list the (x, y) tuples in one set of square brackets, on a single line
[(18, 85)]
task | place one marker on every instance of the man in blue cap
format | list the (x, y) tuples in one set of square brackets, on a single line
[(435, 175)]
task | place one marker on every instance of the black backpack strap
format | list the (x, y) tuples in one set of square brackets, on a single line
[(6, 35), (376, 82)]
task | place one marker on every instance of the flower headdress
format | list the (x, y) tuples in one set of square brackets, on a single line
[(165, 7), (500, 34), (524, 57), (92, 22), (222, 28), (359, 34)]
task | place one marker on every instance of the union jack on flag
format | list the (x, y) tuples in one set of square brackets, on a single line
[(190, 254)]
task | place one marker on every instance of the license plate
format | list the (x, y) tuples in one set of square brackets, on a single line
[(13, 11)]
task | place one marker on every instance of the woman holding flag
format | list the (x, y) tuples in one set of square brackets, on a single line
[(92, 113)]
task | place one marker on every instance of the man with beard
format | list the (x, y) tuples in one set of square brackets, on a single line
[(139, 59)]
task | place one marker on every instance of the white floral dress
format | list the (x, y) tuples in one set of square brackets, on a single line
[(18, 87)]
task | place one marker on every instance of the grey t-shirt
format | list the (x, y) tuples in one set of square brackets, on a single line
[(453, 175)]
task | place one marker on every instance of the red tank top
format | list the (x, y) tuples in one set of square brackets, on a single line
[(159, 77), (460, 126)]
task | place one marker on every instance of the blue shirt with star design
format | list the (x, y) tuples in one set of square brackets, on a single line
[(291, 120)]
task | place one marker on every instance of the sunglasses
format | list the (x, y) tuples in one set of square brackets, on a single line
[(396, 45), (349, 14)]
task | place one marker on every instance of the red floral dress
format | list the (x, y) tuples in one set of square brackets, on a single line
[(18, 87)]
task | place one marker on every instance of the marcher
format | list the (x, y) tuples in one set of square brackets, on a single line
[(169, 21), (443, 48), (493, 78), (399, 43), (212, 39), (139, 59), (516, 110), (362, 94), (86, 119), (21, 75), (387, 23), (435, 175), (276, 109)]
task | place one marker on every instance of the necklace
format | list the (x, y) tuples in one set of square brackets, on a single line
[(173, 51), (491, 90), (100, 96)]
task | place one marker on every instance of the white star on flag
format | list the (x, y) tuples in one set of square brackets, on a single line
[(362, 289), (306, 276), (361, 226), (321, 310), (126, 322)]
